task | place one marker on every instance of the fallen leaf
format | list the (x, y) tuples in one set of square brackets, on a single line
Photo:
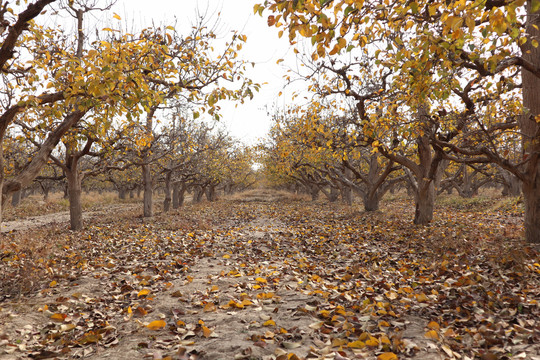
[(156, 325), (387, 356), (143, 292)]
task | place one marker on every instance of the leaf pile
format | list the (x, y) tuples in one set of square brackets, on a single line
[(267, 280)]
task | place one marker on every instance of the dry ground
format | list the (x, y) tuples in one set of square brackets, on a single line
[(266, 275)]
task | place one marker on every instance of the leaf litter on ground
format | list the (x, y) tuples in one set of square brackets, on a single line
[(268, 280)]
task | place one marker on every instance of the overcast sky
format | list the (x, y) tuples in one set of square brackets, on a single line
[(248, 121)]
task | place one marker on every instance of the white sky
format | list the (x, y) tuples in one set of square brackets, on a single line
[(248, 121)]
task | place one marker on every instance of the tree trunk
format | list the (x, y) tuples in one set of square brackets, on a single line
[(334, 194), (122, 193), (179, 191), (346, 195), (198, 192), (148, 209), (371, 202), (314, 192), (466, 190), (211, 193), (511, 184), (424, 202), (131, 194), (532, 211), (74, 191), (16, 198), (168, 197), (530, 128), (2, 176)]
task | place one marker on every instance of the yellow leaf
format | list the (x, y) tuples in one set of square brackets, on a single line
[(226, 256), (156, 325), (372, 341), (433, 325), (143, 292), (246, 302), (385, 340), (432, 334), (269, 323), (58, 317), (338, 342), (209, 307), (214, 288), (53, 283), (261, 280), (422, 297), (387, 356), (117, 17), (206, 331), (356, 344)]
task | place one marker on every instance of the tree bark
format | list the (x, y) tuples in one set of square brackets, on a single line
[(371, 201), (334, 194), (74, 182), (346, 195), (531, 130), (424, 202), (211, 193), (16, 198), (198, 192), (511, 184), (168, 198), (122, 193), (179, 191), (148, 209), (314, 192)]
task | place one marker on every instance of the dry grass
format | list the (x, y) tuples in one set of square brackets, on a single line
[(266, 195), (35, 205)]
